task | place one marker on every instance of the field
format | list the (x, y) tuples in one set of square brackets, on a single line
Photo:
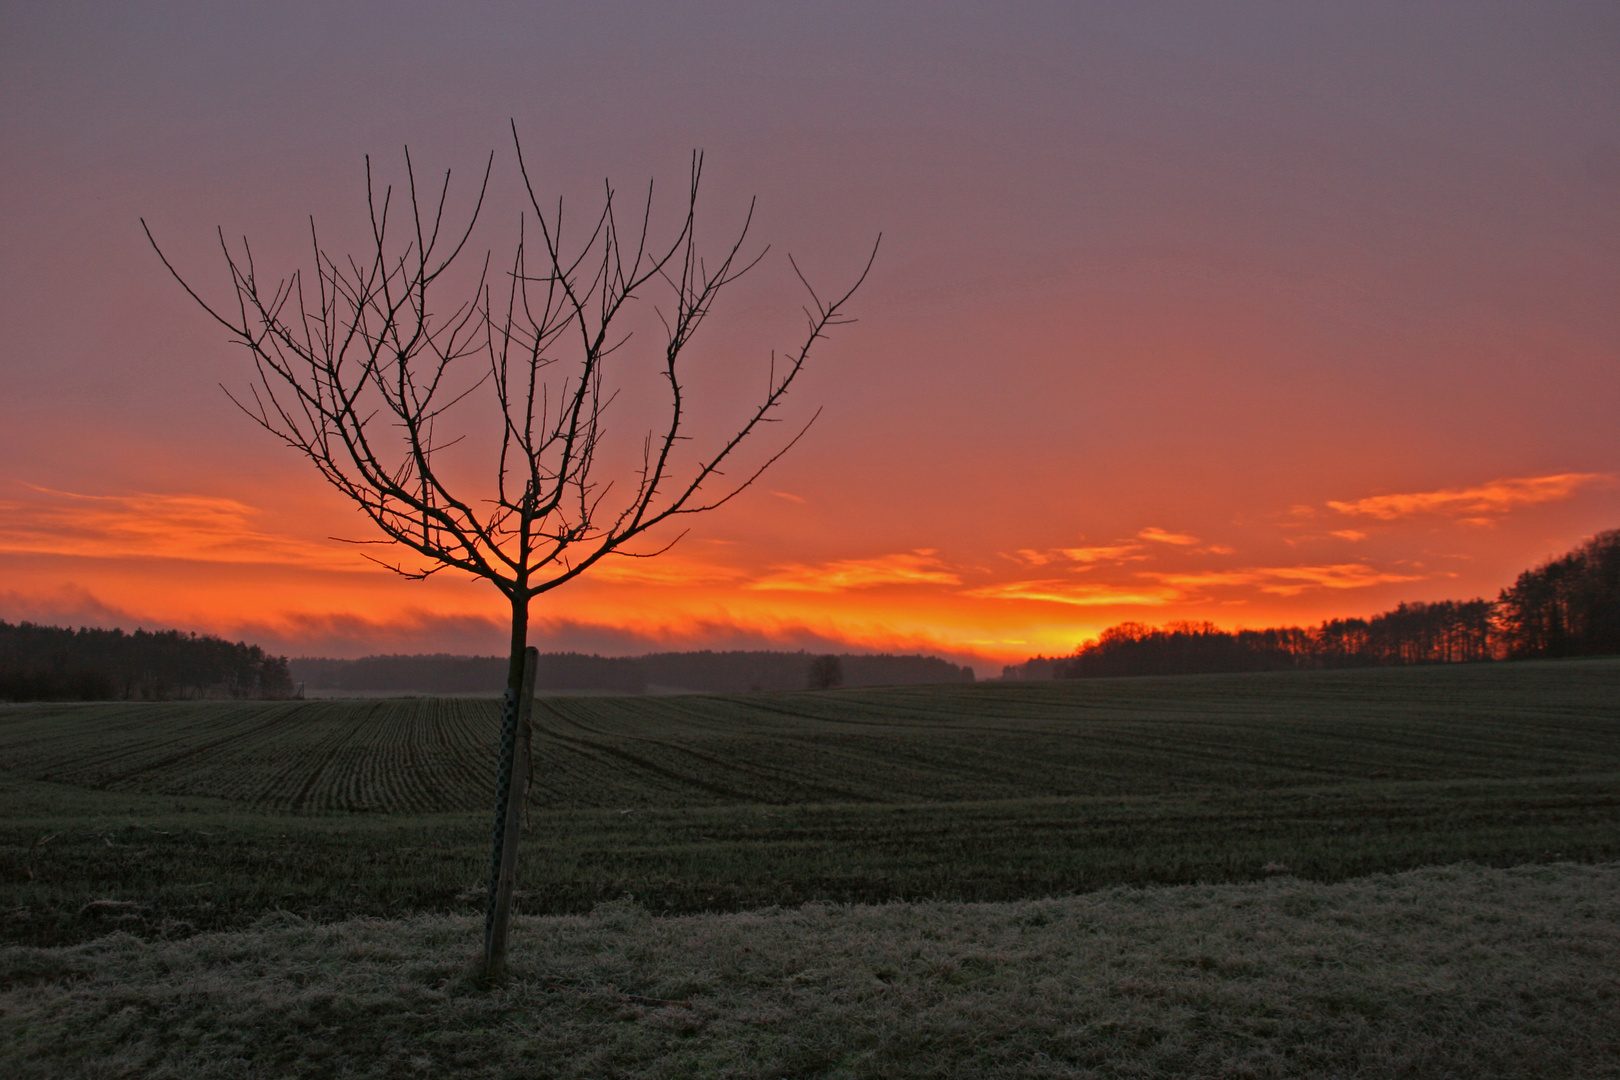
[(939, 744), (1375, 873), (167, 819)]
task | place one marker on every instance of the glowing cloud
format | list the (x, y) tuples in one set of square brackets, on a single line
[(1211, 578), (919, 567), (1163, 537), (1100, 554), (1287, 580), (1087, 555), (1342, 576), (1473, 504), (1064, 592), (194, 527)]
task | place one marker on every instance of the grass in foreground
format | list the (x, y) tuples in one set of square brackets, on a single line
[(1458, 971)]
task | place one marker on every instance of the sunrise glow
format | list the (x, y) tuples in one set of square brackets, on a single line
[(1173, 319)]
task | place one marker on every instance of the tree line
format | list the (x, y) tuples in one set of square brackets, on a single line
[(720, 672), (50, 663), (1568, 606), (740, 671)]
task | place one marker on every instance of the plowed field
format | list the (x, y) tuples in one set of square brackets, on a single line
[(1118, 737), (165, 819)]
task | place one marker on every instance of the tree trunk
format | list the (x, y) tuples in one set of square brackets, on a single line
[(520, 640)]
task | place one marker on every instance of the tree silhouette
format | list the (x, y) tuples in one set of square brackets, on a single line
[(363, 367), (1567, 606), (1447, 632), (825, 673)]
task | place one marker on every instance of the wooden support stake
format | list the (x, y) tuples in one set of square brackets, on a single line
[(505, 877)]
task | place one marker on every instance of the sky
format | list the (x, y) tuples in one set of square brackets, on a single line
[(1254, 313)]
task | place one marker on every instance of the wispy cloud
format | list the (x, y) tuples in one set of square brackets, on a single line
[(1287, 580), (1478, 504), (1067, 592), (1295, 579), (1208, 579), (663, 570), (1160, 536), (919, 567), (1115, 552), (1086, 555), (143, 525), (67, 604), (789, 497)]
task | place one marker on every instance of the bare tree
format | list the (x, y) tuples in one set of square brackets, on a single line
[(361, 364), (826, 672)]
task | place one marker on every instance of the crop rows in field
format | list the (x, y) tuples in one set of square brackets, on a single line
[(1124, 737), (1101, 737), (397, 756)]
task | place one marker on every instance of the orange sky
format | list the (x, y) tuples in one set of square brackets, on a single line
[(217, 563), (1242, 313)]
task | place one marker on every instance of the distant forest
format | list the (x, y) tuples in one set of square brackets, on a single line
[(49, 663), (1569, 606), (722, 672)]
